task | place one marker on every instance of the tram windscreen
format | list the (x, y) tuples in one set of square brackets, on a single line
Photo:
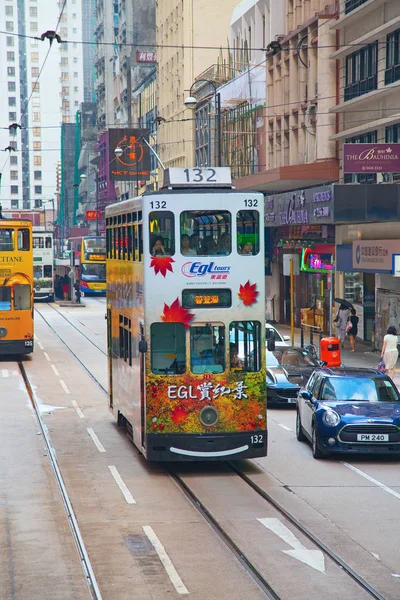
[(93, 272)]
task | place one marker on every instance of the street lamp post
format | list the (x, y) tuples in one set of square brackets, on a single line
[(191, 102)]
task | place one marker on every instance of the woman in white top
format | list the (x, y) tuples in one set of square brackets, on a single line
[(390, 352)]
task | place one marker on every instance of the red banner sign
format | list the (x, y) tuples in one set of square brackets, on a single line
[(92, 215), (371, 158), (145, 57)]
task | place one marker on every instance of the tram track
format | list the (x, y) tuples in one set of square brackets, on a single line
[(87, 568)]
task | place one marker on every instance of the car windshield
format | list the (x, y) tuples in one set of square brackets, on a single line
[(359, 389), (298, 358), (271, 333)]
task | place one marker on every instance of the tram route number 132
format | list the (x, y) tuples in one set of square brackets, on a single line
[(200, 175)]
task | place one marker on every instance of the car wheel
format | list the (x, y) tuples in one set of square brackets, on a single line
[(299, 431), (316, 452)]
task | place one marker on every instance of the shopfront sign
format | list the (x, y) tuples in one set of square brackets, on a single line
[(396, 265), (375, 255), (317, 262), (301, 207), (371, 158)]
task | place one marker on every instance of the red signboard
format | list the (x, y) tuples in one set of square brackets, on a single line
[(92, 215), (371, 158), (145, 57)]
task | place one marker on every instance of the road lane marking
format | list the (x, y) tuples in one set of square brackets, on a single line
[(4, 373), (285, 427), (95, 439), (64, 386), (40, 346), (166, 561), (47, 357), (55, 370), (121, 484), (78, 410), (372, 480), (312, 558)]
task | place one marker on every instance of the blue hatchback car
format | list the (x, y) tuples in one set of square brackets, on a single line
[(349, 410)]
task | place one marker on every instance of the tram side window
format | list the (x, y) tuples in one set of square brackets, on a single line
[(125, 340), (248, 232), (23, 239), (22, 296), (168, 348), (108, 242), (245, 345), (48, 242), (162, 233), (6, 240), (205, 233), (5, 297), (47, 271), (207, 348), (37, 271), (130, 242), (140, 236), (38, 242)]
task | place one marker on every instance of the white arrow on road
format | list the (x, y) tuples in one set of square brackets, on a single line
[(312, 558)]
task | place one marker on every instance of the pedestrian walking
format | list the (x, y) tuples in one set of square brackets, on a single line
[(353, 329), (341, 322), (390, 353), (65, 286)]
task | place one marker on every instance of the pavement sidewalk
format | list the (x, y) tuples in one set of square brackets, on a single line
[(362, 357)]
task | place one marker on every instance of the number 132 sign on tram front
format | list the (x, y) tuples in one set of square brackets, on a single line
[(207, 176)]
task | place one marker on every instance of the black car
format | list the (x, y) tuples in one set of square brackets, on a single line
[(288, 370)]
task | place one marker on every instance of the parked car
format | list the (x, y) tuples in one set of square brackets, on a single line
[(349, 410), (272, 333), (288, 369)]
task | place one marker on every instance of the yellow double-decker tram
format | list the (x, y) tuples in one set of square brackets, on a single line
[(16, 286)]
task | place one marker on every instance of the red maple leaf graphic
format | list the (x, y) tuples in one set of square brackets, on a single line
[(176, 314), (248, 293), (178, 415), (162, 264)]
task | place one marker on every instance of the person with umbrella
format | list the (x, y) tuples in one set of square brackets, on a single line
[(341, 319)]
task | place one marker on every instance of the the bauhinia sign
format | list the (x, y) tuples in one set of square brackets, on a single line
[(371, 158)]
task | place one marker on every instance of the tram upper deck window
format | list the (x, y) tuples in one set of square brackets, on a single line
[(245, 345), (207, 348), (205, 233), (6, 240), (22, 296), (162, 233), (5, 297), (23, 240), (48, 242), (248, 232), (38, 242), (168, 348)]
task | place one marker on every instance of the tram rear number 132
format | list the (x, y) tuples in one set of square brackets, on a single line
[(199, 176), (257, 439)]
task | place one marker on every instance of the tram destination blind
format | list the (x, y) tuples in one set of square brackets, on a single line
[(204, 177), (201, 298)]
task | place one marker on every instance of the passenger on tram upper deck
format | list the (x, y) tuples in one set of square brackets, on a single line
[(186, 250), (158, 248)]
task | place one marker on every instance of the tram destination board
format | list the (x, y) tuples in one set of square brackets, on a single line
[(203, 177), (205, 298)]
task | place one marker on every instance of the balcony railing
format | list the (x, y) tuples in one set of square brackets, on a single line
[(353, 4), (392, 74), (364, 86)]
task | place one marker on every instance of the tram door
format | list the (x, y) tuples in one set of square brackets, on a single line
[(142, 388)]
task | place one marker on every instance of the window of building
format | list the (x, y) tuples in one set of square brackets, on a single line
[(14, 189), (367, 138), (14, 175), (34, 26), (392, 72), (36, 116), (37, 160), (161, 233), (33, 11), (12, 101), (65, 104), (12, 116), (9, 26), (35, 57), (10, 70), (35, 86), (38, 203), (352, 5), (38, 189), (11, 86), (65, 119), (63, 32), (36, 131), (248, 232), (76, 74), (10, 41), (207, 348), (76, 89), (14, 203), (65, 91), (9, 11), (74, 30), (35, 102), (11, 57), (13, 144), (245, 345), (34, 43), (361, 72), (75, 59), (13, 160), (37, 145), (76, 103), (64, 61), (208, 232), (64, 76), (168, 348), (37, 174), (35, 71)]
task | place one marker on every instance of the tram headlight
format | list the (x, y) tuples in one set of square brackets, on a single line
[(208, 416), (3, 332)]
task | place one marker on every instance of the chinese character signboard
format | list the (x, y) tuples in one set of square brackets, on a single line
[(371, 158), (92, 215), (300, 207), (375, 255), (134, 162), (145, 57)]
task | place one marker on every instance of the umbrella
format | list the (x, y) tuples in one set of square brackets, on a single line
[(345, 303)]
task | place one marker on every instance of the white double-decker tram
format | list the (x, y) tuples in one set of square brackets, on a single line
[(43, 264), (186, 318)]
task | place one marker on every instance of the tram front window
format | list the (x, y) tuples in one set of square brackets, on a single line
[(245, 345), (168, 348), (22, 296), (161, 233), (6, 240), (5, 297), (205, 233), (248, 232), (207, 349), (93, 272)]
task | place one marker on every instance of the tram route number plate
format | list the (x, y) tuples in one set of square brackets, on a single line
[(208, 176), (372, 437), (257, 439)]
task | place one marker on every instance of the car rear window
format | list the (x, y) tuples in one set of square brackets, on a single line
[(359, 389)]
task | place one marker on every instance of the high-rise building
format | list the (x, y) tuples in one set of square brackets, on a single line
[(38, 92)]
